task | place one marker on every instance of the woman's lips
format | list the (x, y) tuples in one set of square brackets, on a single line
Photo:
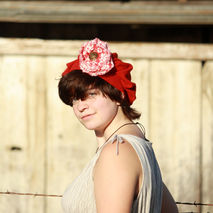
[(86, 116)]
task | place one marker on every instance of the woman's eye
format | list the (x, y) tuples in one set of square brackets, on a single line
[(92, 93)]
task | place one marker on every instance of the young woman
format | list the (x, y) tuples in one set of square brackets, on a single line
[(123, 176)]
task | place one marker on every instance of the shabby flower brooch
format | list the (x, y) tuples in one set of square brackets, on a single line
[(95, 58)]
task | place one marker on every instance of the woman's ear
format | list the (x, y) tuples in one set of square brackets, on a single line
[(122, 96)]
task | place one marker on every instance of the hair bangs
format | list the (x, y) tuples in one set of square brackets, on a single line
[(75, 85)]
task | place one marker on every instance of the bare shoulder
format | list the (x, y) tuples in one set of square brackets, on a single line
[(119, 154), (112, 173)]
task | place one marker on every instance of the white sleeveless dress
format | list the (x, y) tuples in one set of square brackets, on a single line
[(79, 196)]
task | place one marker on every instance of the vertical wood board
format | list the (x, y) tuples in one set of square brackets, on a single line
[(207, 135), (140, 76), (22, 156), (175, 126)]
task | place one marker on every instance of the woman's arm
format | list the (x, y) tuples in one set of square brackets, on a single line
[(116, 178)]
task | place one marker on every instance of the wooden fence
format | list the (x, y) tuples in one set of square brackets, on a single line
[(43, 147)]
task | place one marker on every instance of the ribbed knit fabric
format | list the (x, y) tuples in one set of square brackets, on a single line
[(79, 196)]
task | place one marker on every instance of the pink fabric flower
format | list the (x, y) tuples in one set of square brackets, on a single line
[(95, 58)]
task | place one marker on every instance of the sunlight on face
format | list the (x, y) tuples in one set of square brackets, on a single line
[(95, 111)]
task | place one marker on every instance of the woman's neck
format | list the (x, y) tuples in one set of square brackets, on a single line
[(103, 135)]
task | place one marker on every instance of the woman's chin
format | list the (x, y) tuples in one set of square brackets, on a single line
[(88, 126), (92, 126)]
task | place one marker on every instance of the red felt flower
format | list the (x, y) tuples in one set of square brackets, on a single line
[(95, 58)]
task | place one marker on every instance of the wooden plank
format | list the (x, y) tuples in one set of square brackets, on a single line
[(140, 75), (207, 135), (136, 50), (102, 12), (22, 133), (175, 126), (36, 124)]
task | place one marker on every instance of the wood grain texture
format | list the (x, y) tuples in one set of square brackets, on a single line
[(102, 12), (175, 105), (207, 135), (133, 50), (140, 75), (22, 133)]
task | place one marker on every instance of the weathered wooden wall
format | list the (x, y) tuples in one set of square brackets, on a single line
[(43, 147), (103, 12)]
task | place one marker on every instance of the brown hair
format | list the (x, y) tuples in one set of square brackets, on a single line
[(74, 86)]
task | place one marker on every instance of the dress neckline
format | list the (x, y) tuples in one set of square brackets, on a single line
[(118, 138)]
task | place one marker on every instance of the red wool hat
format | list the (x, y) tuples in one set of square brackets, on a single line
[(95, 59)]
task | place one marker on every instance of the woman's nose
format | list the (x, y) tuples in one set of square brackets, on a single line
[(82, 105)]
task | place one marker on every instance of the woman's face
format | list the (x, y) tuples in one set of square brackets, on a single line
[(96, 111)]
